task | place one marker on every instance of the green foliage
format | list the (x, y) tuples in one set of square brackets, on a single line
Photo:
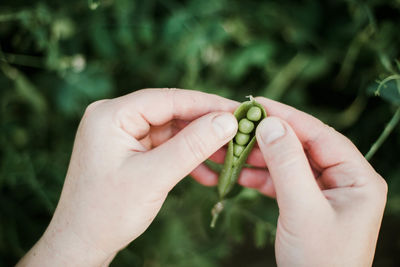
[(323, 57)]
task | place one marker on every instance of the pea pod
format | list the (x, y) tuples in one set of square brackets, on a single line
[(248, 114)]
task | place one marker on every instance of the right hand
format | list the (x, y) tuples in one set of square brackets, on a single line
[(330, 199)]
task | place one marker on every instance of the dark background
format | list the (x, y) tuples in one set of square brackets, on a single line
[(324, 57)]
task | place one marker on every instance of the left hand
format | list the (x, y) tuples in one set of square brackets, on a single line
[(128, 154)]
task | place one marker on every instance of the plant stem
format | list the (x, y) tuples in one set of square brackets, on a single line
[(9, 17), (22, 60), (394, 77), (384, 135), (286, 76)]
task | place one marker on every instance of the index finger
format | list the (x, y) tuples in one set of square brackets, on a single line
[(153, 107)]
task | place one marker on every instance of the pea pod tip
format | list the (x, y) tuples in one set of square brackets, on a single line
[(216, 210)]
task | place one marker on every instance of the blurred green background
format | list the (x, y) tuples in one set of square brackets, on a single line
[(328, 58)]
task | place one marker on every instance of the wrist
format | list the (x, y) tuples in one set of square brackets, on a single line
[(61, 246)]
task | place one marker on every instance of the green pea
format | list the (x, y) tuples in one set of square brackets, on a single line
[(237, 149), (254, 114), (246, 126), (242, 139)]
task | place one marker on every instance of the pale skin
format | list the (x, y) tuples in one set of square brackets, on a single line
[(330, 199)]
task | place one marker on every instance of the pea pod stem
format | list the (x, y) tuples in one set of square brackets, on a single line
[(216, 210)]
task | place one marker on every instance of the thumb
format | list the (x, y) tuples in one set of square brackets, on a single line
[(177, 157), (287, 163)]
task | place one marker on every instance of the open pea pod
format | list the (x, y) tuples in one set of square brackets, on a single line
[(249, 114)]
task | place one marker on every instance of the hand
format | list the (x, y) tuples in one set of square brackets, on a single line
[(330, 199), (126, 158)]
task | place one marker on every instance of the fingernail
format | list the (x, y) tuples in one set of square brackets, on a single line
[(224, 125), (271, 129)]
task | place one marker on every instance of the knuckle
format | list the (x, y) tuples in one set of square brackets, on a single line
[(378, 190), (383, 187), (170, 96), (328, 128), (170, 92), (94, 116), (92, 107)]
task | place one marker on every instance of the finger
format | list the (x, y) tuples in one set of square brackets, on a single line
[(252, 178), (256, 158), (180, 124), (219, 155), (267, 188), (257, 179), (317, 137), (160, 134), (203, 175), (288, 166), (181, 154), (341, 175), (139, 110)]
